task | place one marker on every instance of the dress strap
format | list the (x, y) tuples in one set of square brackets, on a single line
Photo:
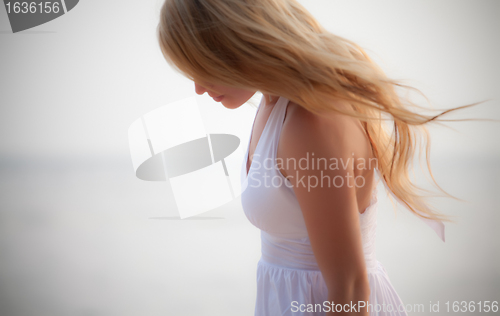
[(278, 117)]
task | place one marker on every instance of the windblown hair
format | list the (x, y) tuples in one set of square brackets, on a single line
[(277, 47)]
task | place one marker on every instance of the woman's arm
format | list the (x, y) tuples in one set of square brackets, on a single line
[(330, 213)]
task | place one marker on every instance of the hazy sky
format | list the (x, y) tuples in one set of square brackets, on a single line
[(73, 86)]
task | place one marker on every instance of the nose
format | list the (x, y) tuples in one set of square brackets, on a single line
[(199, 89)]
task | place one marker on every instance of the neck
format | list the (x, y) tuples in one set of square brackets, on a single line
[(270, 99)]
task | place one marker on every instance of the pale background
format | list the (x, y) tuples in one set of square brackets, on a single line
[(80, 235)]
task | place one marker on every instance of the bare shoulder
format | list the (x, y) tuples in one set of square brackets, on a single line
[(333, 132)]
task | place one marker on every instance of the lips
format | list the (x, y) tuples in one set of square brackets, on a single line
[(219, 98)]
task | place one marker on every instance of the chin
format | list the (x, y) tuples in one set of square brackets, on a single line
[(230, 105)]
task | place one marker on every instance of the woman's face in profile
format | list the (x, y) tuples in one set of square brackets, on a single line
[(230, 97)]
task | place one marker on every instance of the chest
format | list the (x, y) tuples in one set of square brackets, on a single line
[(260, 122)]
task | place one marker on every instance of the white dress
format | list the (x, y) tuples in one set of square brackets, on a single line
[(289, 281)]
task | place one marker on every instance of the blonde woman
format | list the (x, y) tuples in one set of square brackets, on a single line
[(327, 105)]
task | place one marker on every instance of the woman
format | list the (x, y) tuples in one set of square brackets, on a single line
[(326, 103)]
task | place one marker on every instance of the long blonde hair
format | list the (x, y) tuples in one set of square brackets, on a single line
[(277, 47)]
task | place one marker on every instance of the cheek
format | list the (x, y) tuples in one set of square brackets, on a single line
[(244, 96), (236, 98)]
